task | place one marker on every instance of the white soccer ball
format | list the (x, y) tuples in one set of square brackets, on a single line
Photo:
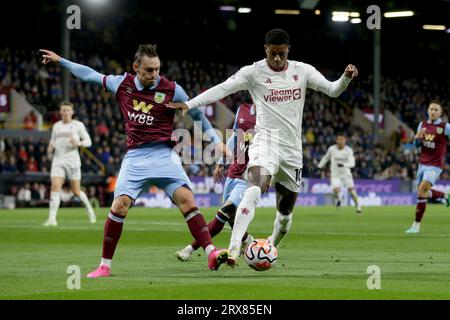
[(260, 255)]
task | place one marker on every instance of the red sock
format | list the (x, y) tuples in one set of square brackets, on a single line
[(113, 230), (420, 209), (215, 226), (436, 194), (197, 225)]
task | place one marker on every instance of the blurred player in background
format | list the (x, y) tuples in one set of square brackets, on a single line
[(277, 87), (67, 136), (150, 159), (432, 138), (235, 185), (341, 159)]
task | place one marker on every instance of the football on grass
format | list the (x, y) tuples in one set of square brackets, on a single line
[(260, 255)]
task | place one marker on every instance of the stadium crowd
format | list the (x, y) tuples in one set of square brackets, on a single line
[(98, 110)]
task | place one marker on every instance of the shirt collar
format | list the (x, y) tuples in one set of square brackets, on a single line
[(141, 87), (435, 122)]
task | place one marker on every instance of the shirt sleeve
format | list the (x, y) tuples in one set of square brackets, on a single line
[(207, 128), (351, 160), (85, 139), (325, 159), (87, 74), (180, 95), (417, 142), (318, 82), (447, 129), (241, 80), (53, 137)]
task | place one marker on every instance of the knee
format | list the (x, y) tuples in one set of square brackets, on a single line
[(55, 188), (121, 205), (423, 193)]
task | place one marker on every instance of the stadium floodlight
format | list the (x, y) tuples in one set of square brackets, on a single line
[(398, 14), (339, 18), (448, 30), (355, 20), (434, 27), (287, 11), (354, 14), (340, 14), (227, 8), (96, 2), (245, 10), (317, 12)]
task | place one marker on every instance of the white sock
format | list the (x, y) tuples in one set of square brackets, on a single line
[(281, 227), (244, 215), (55, 200), (189, 249), (416, 224), (106, 262), (83, 197), (209, 249)]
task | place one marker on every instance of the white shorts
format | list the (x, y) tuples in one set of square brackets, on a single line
[(345, 181), (66, 170), (284, 164)]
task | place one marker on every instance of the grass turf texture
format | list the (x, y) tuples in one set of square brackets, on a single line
[(325, 256)]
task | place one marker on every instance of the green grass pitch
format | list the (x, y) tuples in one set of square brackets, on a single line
[(325, 256)]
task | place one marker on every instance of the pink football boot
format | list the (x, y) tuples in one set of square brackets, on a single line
[(102, 271), (216, 258)]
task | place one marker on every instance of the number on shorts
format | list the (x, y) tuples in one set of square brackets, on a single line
[(298, 174)]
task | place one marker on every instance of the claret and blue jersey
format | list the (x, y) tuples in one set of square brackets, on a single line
[(150, 159)]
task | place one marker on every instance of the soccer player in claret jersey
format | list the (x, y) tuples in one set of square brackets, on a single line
[(67, 136), (235, 186), (150, 159), (431, 137), (277, 86), (342, 159)]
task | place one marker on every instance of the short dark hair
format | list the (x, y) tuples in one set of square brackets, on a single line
[(436, 102), (277, 37), (148, 50), (66, 103), (341, 134)]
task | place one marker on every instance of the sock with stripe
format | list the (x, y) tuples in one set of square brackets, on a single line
[(112, 233), (199, 229)]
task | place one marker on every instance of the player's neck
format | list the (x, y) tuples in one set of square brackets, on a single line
[(67, 121), (284, 68)]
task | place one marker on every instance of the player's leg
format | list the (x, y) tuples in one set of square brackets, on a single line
[(130, 183), (57, 181), (258, 182), (75, 184), (183, 198), (427, 177), (336, 189), (112, 232), (285, 202), (349, 183)]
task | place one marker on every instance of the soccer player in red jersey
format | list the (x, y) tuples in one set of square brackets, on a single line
[(432, 138), (150, 159), (235, 185)]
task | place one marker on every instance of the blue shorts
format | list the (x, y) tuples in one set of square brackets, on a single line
[(428, 173), (234, 190), (154, 164)]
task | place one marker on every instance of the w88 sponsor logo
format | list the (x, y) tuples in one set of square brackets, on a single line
[(141, 118)]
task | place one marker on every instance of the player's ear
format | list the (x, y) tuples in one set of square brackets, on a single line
[(135, 67)]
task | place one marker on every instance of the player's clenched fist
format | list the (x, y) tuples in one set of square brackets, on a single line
[(421, 133), (351, 71), (49, 56)]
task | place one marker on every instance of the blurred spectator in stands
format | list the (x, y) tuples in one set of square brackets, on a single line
[(24, 195), (30, 121), (10, 165), (32, 165), (110, 187)]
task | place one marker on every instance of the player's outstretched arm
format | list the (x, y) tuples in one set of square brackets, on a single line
[(242, 80), (351, 161), (318, 82), (80, 71)]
